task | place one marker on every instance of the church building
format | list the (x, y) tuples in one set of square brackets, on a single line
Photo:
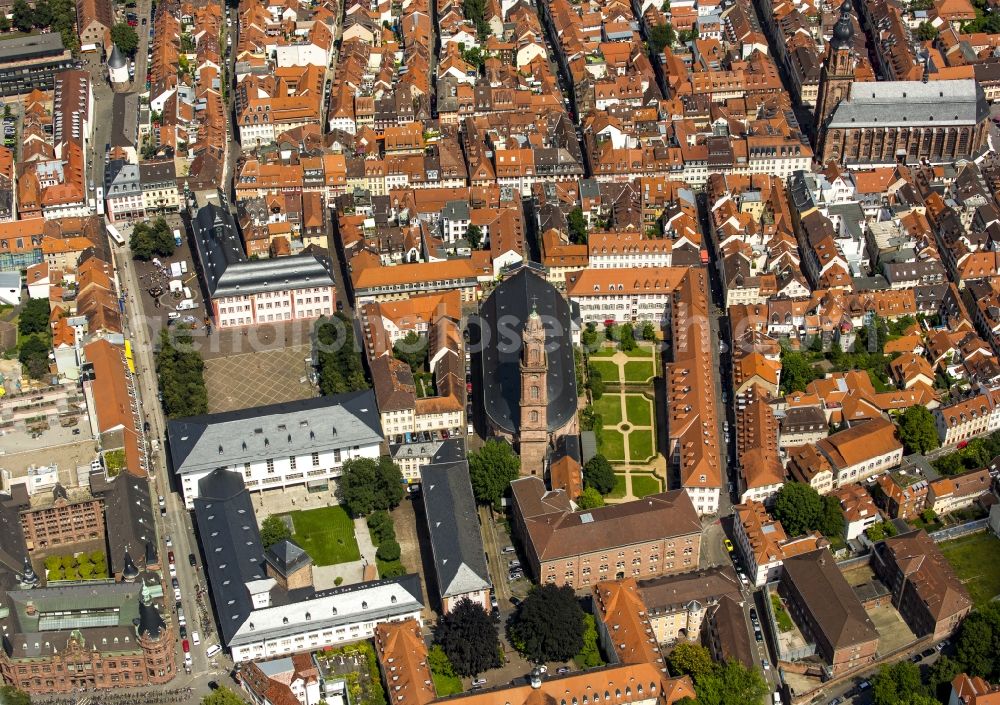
[(528, 371)]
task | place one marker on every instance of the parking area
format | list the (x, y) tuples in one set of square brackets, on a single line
[(258, 378), (171, 292)]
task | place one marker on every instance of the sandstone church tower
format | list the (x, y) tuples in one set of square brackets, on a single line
[(837, 74), (533, 436)]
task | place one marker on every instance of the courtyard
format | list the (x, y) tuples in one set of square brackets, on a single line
[(628, 431), (258, 378), (327, 535), (980, 577)]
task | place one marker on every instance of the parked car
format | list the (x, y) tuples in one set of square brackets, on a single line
[(562, 670), (192, 560), (508, 549), (186, 646), (479, 682)]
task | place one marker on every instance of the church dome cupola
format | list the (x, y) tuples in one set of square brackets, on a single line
[(129, 571), (843, 31)]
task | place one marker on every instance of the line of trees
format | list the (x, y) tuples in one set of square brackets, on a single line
[(340, 368), (180, 372)]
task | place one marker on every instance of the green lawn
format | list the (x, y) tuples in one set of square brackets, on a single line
[(446, 685), (639, 409), (970, 558), (608, 369), (638, 371), (609, 407), (619, 489), (612, 445), (643, 485), (605, 351), (327, 534), (640, 445)]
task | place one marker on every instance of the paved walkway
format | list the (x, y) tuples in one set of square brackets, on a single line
[(364, 538)]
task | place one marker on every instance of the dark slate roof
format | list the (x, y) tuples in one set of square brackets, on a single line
[(30, 47), (286, 557), (937, 103), (829, 599), (502, 318), (453, 526), (199, 443), (230, 540), (133, 528), (227, 271), (150, 621)]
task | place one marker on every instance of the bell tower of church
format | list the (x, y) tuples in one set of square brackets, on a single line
[(837, 74), (533, 434)]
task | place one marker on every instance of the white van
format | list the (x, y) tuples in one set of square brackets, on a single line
[(212, 650), (195, 638), (186, 304), (187, 293)]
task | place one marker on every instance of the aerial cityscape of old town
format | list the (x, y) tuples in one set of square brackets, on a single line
[(500, 352)]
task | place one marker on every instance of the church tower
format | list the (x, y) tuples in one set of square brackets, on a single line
[(533, 434), (837, 75)]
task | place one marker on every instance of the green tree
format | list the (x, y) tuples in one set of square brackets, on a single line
[(125, 38), (86, 570), (899, 684), (928, 515), (475, 236), (690, 659), (53, 562), (796, 372), (273, 530), (831, 521), (626, 338), (380, 525), (917, 430), (338, 356), (9, 695), (412, 349), (599, 474), (181, 374), (976, 648), (589, 338), (222, 696), (590, 654), (595, 383), (940, 675), (42, 16), (926, 32), (34, 317), (577, 226), (367, 485), (590, 498), (24, 17), (55, 574), (4, 24), (798, 507), (731, 683), (661, 36), (548, 624), (491, 469), (388, 551), (34, 355), (648, 331), (469, 639), (72, 573)]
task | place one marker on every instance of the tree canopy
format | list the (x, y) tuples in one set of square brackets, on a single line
[(222, 696), (690, 659), (899, 684), (469, 639), (590, 654), (475, 236), (148, 241), (590, 498), (599, 474), (491, 469), (577, 226), (798, 507), (411, 349), (548, 624), (34, 317), (661, 36), (24, 17), (917, 430), (339, 362), (125, 38), (181, 375), (9, 695), (273, 530), (367, 485), (731, 683)]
